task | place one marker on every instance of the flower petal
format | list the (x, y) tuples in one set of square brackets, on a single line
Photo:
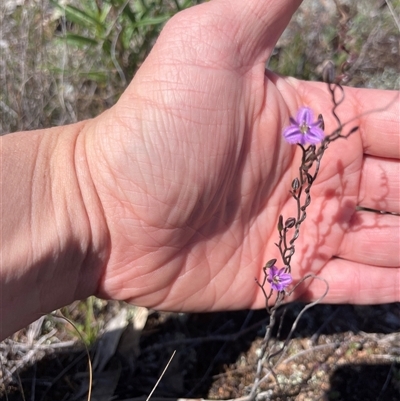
[(285, 279), (273, 271), (278, 279), (293, 134), (305, 115), (315, 134), (276, 286), (304, 130)]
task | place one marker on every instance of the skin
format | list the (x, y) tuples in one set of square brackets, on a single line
[(171, 198)]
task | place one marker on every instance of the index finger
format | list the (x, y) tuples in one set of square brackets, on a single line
[(379, 116), (375, 111)]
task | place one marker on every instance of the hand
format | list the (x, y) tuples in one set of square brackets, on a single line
[(192, 172)]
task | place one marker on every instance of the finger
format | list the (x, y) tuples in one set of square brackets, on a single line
[(380, 184), (258, 24), (379, 113), (372, 239), (356, 283), (232, 31), (376, 112)]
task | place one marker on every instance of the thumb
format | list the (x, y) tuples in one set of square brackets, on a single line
[(257, 24), (245, 29)]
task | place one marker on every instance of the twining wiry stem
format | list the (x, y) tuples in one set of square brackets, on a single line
[(301, 130)]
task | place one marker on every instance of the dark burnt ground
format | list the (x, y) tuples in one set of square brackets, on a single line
[(338, 352)]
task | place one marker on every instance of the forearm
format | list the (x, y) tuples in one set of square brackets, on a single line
[(48, 245)]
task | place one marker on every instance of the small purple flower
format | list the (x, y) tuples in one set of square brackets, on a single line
[(303, 130), (278, 279)]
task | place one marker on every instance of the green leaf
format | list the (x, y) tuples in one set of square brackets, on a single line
[(126, 36), (80, 41), (97, 76), (78, 16), (140, 6), (129, 14), (91, 7), (152, 21), (187, 4), (104, 13)]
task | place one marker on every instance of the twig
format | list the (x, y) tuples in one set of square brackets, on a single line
[(161, 376), (392, 11)]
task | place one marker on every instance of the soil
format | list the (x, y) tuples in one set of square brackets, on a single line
[(338, 352)]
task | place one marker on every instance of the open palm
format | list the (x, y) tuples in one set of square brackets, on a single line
[(192, 172)]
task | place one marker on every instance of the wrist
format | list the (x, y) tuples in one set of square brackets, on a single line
[(48, 249)]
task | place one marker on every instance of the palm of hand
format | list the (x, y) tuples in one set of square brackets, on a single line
[(193, 174)]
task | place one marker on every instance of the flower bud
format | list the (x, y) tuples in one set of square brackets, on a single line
[(328, 72), (270, 263), (295, 184), (280, 223), (290, 222)]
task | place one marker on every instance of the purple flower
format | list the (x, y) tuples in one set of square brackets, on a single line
[(303, 130), (278, 279)]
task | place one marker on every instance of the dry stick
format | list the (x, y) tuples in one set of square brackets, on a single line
[(393, 12), (87, 354), (260, 361), (245, 398), (308, 306), (21, 388), (385, 385), (29, 355), (161, 376), (308, 351), (302, 184), (281, 351), (114, 41)]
